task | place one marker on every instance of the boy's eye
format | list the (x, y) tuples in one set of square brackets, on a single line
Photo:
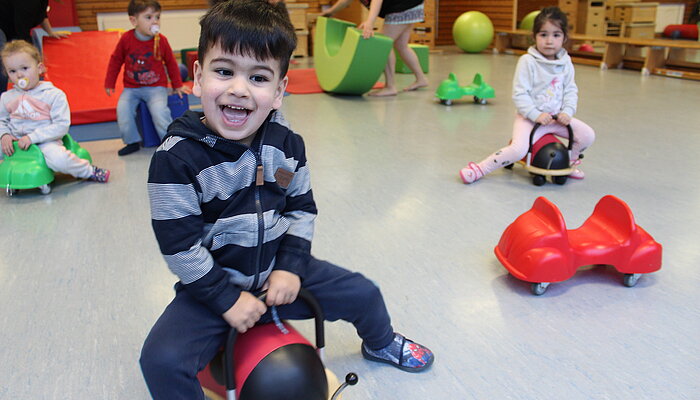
[(223, 72), (259, 78)]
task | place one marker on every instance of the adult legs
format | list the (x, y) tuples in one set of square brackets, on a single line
[(389, 89), (410, 58)]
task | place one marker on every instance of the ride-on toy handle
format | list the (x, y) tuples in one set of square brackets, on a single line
[(233, 333), (569, 146)]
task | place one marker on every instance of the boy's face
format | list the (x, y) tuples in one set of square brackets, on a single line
[(23, 70), (238, 92), (146, 22)]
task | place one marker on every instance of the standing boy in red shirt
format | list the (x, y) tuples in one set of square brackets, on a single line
[(148, 62)]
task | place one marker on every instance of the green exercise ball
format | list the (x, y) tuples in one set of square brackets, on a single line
[(528, 21), (472, 31)]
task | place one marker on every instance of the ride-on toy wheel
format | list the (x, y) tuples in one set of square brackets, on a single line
[(631, 280), (559, 180), (447, 102), (538, 180), (538, 289), (45, 189)]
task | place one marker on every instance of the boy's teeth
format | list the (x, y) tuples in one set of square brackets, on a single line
[(235, 113)]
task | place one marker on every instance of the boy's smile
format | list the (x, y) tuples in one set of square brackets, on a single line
[(22, 66), (238, 92)]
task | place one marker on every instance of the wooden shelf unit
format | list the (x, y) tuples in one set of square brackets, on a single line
[(663, 57)]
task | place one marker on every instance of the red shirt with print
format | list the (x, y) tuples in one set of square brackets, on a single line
[(146, 63)]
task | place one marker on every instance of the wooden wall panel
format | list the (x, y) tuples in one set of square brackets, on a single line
[(87, 9), (501, 13), (525, 6)]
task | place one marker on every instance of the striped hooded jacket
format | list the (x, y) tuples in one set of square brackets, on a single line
[(224, 214)]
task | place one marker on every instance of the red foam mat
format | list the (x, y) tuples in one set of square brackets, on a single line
[(77, 65), (304, 81)]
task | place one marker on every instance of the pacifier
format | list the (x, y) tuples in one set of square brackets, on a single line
[(23, 83), (155, 29)]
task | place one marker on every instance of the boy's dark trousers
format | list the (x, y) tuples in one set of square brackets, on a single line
[(188, 334)]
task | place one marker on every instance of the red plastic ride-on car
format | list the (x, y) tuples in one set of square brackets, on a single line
[(538, 248)]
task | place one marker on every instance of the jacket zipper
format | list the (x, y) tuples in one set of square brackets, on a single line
[(259, 182)]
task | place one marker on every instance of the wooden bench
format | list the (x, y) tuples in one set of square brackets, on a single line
[(663, 57)]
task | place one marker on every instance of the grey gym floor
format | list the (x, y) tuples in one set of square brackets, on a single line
[(82, 280)]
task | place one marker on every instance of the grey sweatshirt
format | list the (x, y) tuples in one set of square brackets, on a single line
[(544, 86), (41, 112)]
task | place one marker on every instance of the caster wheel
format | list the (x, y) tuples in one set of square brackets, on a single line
[(447, 102), (538, 289), (509, 166), (10, 192), (45, 189), (559, 180), (631, 279), (476, 100), (482, 102), (538, 180)]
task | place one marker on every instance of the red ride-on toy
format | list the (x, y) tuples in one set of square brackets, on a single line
[(537, 247), (273, 362), (548, 157)]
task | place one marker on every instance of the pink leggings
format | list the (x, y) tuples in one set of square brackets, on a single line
[(517, 149)]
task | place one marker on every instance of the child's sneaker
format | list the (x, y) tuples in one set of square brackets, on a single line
[(129, 148), (402, 353), (576, 173), (99, 175), (471, 173)]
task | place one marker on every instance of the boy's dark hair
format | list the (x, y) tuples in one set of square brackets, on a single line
[(252, 28), (553, 15), (136, 7)]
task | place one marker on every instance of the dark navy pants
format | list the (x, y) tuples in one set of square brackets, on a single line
[(187, 335)]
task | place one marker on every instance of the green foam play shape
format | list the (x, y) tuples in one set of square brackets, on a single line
[(422, 52), (346, 63), (27, 169)]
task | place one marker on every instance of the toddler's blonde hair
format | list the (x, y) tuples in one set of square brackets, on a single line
[(20, 46)]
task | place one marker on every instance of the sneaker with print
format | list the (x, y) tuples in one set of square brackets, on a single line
[(471, 173), (99, 175), (576, 173), (402, 353)]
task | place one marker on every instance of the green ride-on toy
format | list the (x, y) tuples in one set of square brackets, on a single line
[(450, 90), (27, 169)]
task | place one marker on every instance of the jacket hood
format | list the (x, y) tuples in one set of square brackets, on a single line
[(41, 87), (191, 125), (562, 57)]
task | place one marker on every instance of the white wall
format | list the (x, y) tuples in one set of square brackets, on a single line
[(181, 27), (669, 14)]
